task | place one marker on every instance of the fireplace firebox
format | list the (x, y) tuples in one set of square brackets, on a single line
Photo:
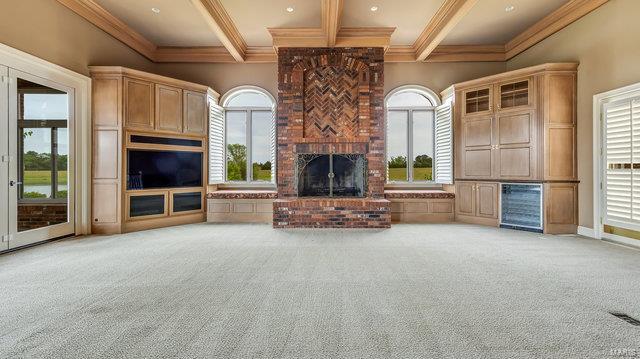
[(331, 175)]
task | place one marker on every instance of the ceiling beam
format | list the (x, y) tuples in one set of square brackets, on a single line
[(225, 30), (98, 16), (331, 16), (445, 19), (550, 24)]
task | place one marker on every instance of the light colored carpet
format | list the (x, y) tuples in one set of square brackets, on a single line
[(248, 291)]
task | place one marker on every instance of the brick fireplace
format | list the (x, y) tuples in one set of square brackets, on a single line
[(330, 110)]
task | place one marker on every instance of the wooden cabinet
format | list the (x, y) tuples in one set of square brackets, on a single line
[(518, 126), (477, 144), (515, 145), (168, 108), (487, 200), (530, 132), (465, 198), (477, 202), (138, 103), (195, 113), (135, 110)]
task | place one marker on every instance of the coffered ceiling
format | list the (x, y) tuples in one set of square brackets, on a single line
[(408, 30)]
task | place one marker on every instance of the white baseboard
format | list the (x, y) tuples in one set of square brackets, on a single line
[(587, 232), (625, 241)]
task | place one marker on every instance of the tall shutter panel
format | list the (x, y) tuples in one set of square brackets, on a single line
[(443, 144), (621, 152), (216, 143), (635, 157), (274, 145)]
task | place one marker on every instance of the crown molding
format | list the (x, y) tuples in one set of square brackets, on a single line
[(365, 37), (214, 54), (550, 24), (223, 27), (467, 53), (261, 54), (425, 48), (100, 17), (445, 19), (331, 16), (194, 54), (400, 53)]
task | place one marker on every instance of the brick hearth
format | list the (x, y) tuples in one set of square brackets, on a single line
[(331, 101)]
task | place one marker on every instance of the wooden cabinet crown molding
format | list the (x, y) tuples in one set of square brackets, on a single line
[(527, 71), (146, 76)]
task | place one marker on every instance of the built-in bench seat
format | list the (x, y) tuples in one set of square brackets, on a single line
[(243, 194), (241, 206), (420, 206)]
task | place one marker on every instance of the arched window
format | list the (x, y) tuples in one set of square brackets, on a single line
[(249, 134), (410, 133)]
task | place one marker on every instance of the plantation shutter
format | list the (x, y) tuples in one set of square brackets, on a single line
[(443, 144), (621, 152), (274, 146), (216, 143)]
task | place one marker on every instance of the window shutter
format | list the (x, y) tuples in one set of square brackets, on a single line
[(443, 143), (621, 154), (274, 145), (216, 143)]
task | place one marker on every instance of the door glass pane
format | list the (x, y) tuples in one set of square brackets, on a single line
[(43, 151), (397, 145), (261, 145), (422, 145), (236, 146)]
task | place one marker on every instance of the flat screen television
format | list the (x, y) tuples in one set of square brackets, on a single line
[(163, 169)]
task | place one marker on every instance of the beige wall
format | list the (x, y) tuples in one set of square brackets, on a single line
[(606, 43), (436, 76), (48, 30), (223, 77)]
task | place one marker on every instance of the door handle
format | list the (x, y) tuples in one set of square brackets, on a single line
[(14, 183)]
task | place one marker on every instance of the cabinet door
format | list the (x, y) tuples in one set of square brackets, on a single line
[(487, 200), (516, 156), (138, 96), (477, 140), (168, 108), (514, 94), (465, 198), (478, 101), (195, 113)]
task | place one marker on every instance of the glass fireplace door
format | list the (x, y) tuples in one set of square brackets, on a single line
[(40, 158)]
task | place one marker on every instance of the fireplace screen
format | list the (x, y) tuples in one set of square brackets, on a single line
[(333, 175)]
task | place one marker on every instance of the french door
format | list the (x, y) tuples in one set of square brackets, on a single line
[(37, 170)]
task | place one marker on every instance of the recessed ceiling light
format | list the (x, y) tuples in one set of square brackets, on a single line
[(290, 9), (509, 8), (374, 8), (155, 9)]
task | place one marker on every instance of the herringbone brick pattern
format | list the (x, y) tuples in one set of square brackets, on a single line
[(330, 102)]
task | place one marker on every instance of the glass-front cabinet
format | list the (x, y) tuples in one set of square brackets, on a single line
[(478, 101), (514, 94)]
